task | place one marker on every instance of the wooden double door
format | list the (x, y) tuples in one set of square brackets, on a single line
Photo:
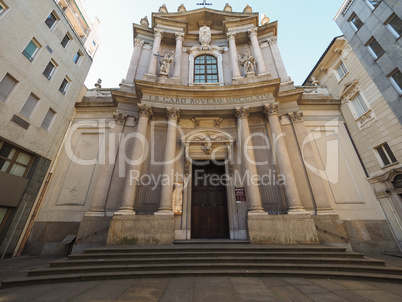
[(209, 210)]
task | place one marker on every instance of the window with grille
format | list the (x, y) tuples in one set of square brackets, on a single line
[(395, 26), (205, 69), (373, 3), (14, 161), (31, 50), (51, 19), (77, 57), (49, 70), (66, 40), (357, 23), (48, 120), (64, 85), (386, 155), (6, 86), (375, 48), (29, 106)]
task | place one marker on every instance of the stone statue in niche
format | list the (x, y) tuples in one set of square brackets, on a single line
[(247, 61), (205, 35), (167, 60), (177, 198)]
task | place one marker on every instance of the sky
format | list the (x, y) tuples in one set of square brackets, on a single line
[(305, 29)]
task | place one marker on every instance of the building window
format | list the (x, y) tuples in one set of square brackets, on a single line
[(64, 85), (205, 69), (67, 38), (342, 71), (375, 48), (385, 155), (77, 57), (3, 8), (373, 3), (6, 86), (31, 50), (359, 105), (49, 70), (94, 43), (396, 80), (48, 120), (356, 22), (395, 26), (29, 106), (51, 19), (14, 161)]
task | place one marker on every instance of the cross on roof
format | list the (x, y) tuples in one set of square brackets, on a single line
[(204, 2)]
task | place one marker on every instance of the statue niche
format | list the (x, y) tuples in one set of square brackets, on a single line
[(167, 60), (248, 62)]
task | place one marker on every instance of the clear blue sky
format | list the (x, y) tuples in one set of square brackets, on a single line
[(305, 30)]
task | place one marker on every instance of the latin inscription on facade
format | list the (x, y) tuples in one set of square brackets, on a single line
[(212, 101)]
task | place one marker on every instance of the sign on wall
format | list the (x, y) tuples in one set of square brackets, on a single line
[(240, 194)]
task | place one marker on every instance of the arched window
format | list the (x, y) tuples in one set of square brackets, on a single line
[(205, 69)]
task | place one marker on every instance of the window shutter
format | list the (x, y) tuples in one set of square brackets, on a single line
[(29, 106), (48, 119), (6, 85), (31, 48)]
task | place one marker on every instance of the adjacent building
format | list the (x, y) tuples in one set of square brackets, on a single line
[(208, 138), (45, 55)]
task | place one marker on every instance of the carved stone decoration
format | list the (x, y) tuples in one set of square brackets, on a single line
[(144, 21), (242, 112), (158, 32), (167, 60), (181, 8), (138, 42), (145, 110), (230, 168), (187, 166), (163, 9), (227, 8), (248, 9), (253, 32), (98, 84), (177, 201), (296, 116), (207, 148), (264, 19), (208, 138), (231, 35), (271, 109), (179, 36), (314, 81), (247, 61), (207, 122), (173, 114), (272, 40), (119, 118), (205, 35)]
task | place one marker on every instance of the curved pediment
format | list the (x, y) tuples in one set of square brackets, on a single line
[(208, 136)]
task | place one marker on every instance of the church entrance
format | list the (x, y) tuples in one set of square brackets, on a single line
[(209, 209)]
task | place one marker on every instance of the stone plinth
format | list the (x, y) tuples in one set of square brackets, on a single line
[(141, 230), (282, 229)]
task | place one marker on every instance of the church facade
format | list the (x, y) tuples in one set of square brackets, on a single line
[(208, 138)]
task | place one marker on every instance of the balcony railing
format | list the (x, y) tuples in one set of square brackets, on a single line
[(28, 56)]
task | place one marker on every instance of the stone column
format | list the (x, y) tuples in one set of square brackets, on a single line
[(233, 54), (130, 188), (282, 156), (106, 172), (178, 54), (138, 44), (153, 62), (165, 206), (252, 191), (316, 183), (257, 51), (276, 54)]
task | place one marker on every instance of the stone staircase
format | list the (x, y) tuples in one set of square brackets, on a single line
[(212, 258)]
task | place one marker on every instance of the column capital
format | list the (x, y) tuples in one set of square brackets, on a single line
[(271, 109), (119, 118), (145, 110), (253, 32), (179, 36), (242, 112), (158, 32), (138, 42), (173, 114), (231, 35), (272, 40), (296, 116)]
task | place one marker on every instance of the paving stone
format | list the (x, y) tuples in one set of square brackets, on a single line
[(214, 289), (253, 289), (378, 295), (145, 290), (328, 284), (26, 293), (179, 289), (65, 292), (354, 284), (290, 294), (389, 287), (311, 289), (272, 281), (326, 298), (298, 281)]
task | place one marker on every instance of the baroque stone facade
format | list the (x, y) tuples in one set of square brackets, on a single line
[(208, 151)]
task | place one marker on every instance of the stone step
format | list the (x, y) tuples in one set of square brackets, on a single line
[(211, 254), (222, 259), (199, 273), (210, 241), (100, 268)]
